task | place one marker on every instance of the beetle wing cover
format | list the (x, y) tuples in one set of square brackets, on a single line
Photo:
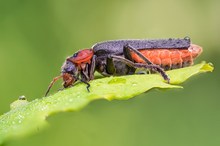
[(116, 46)]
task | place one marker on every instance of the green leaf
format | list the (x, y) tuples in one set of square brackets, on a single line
[(26, 117)]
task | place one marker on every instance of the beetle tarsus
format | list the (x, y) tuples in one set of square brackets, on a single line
[(88, 85), (163, 73)]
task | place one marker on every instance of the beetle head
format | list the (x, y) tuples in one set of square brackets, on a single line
[(69, 68), (69, 73), (72, 66)]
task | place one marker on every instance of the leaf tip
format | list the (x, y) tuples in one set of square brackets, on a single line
[(207, 67)]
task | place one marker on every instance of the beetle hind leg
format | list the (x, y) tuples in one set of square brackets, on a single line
[(152, 67), (127, 53), (141, 65)]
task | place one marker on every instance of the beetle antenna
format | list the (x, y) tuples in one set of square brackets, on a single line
[(51, 84)]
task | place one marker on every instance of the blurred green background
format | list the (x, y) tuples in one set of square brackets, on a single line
[(36, 36)]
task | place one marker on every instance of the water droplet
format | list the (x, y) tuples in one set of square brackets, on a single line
[(134, 83), (22, 101), (22, 97)]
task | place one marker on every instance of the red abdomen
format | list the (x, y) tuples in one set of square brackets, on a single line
[(170, 58)]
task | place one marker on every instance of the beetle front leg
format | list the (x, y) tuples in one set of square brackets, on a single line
[(85, 72), (110, 67), (92, 68), (85, 82), (141, 65)]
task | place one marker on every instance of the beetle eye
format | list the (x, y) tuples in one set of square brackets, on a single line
[(75, 54)]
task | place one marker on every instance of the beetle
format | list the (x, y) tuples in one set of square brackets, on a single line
[(124, 57)]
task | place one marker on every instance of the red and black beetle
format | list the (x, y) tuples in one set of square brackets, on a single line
[(123, 57)]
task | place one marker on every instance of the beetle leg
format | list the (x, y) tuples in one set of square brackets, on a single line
[(141, 65), (85, 82), (82, 80), (85, 72), (92, 68), (110, 67), (127, 53)]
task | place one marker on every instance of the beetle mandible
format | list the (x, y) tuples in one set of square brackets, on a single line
[(123, 57)]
